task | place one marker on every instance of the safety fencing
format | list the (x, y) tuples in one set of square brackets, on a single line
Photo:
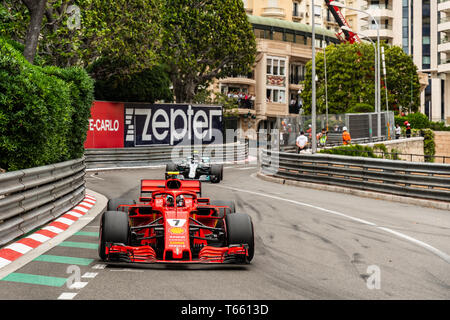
[(30, 198), (419, 180), (148, 156)]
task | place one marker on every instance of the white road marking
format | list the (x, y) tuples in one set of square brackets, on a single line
[(82, 209), (424, 245), (93, 176), (75, 214), (53, 229), (67, 296), (89, 275), (78, 285), (4, 262), (126, 270), (99, 266), (38, 237), (65, 221), (19, 247)]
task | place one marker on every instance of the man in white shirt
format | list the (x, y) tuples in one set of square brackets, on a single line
[(301, 142)]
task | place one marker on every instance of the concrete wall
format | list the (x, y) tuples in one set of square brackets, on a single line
[(442, 141), (412, 148)]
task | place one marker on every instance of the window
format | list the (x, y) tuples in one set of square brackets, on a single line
[(289, 37), (276, 66), (278, 36), (295, 9), (318, 11), (296, 73), (276, 95), (269, 66)]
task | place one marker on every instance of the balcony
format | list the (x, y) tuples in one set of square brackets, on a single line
[(444, 24), (239, 80), (379, 10), (274, 12), (444, 66), (371, 31), (298, 16), (444, 5), (444, 46)]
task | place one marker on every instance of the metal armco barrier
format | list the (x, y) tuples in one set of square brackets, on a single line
[(32, 197), (144, 156), (413, 179)]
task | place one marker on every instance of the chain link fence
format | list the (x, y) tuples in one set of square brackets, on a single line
[(361, 126)]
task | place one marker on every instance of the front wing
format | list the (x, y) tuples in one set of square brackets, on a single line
[(235, 254)]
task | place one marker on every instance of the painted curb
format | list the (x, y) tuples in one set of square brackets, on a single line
[(17, 249)]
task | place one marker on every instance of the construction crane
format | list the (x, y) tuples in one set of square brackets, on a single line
[(345, 35)]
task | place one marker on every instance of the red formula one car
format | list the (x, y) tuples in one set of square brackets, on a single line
[(172, 223)]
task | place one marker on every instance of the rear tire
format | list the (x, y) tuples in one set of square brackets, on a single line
[(114, 227), (240, 231), (216, 173), (114, 203)]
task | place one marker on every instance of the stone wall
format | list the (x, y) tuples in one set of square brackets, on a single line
[(442, 141), (412, 148)]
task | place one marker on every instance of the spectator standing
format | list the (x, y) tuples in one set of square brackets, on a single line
[(309, 131), (346, 138), (408, 130), (398, 131), (322, 137), (301, 142)]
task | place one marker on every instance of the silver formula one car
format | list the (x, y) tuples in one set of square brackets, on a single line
[(195, 167)]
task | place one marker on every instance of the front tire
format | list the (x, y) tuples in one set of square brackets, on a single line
[(114, 228), (224, 203), (113, 204), (240, 231)]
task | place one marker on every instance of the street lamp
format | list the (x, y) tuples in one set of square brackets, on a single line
[(326, 80), (378, 100), (313, 79)]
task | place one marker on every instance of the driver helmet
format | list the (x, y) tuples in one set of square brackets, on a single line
[(169, 201), (180, 201)]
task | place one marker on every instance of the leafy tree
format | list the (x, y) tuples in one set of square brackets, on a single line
[(127, 29), (204, 40), (351, 79), (148, 85)]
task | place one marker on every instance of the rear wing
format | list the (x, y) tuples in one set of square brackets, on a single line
[(150, 186)]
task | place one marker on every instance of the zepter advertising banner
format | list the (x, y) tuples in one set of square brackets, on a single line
[(172, 124)]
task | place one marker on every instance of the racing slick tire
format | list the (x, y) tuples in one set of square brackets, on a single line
[(114, 203), (216, 173), (224, 203), (240, 231), (115, 228)]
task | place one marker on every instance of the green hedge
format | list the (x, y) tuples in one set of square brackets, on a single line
[(356, 150), (43, 111), (417, 120)]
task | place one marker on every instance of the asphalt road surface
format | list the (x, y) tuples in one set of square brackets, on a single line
[(309, 244)]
